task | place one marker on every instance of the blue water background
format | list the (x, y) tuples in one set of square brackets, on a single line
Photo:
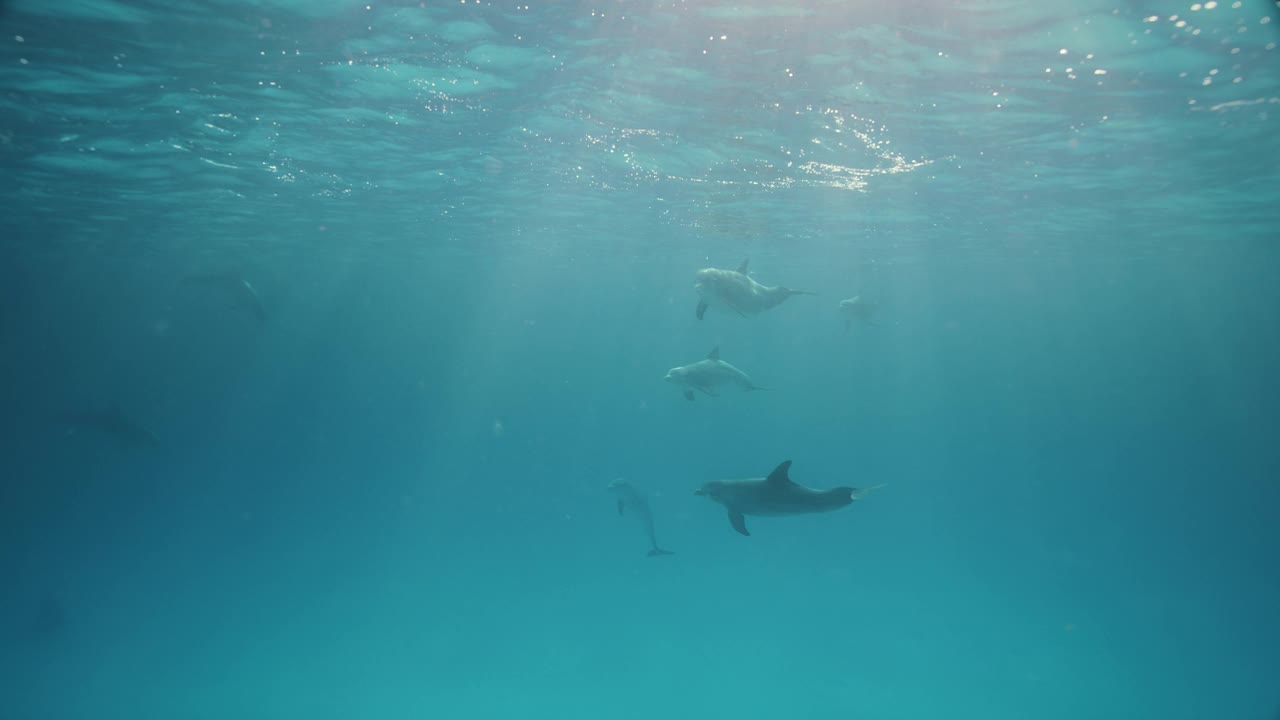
[(474, 228)]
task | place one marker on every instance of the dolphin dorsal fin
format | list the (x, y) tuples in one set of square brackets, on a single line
[(714, 354), (779, 475), (743, 267)]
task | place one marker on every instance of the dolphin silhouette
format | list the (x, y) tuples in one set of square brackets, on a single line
[(629, 497), (709, 374), (236, 285), (736, 290), (859, 309), (775, 495)]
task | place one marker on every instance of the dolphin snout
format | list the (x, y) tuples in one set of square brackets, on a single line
[(700, 491)]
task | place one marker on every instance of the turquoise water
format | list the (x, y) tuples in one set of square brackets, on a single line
[(376, 485)]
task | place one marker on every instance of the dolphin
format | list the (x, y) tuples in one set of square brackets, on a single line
[(856, 308), (706, 375), (240, 288), (737, 291), (113, 423), (774, 496), (629, 497)]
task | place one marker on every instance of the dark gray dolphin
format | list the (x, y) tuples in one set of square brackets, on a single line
[(736, 290), (113, 423), (774, 496), (234, 284), (629, 497)]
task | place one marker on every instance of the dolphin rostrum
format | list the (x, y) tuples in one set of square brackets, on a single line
[(736, 290), (774, 496), (629, 497), (706, 375), (856, 308), (113, 423)]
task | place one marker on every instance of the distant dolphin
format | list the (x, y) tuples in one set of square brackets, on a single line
[(735, 290), (238, 286), (855, 308), (113, 423), (775, 495), (706, 375), (629, 497)]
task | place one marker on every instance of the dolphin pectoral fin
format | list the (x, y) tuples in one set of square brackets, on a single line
[(739, 523), (735, 309), (659, 552), (702, 309), (688, 395), (621, 505)]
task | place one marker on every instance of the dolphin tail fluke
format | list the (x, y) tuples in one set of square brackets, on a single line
[(701, 310), (659, 552), (859, 493)]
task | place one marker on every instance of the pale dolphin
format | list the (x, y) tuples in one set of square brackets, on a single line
[(706, 375), (629, 497), (774, 496), (736, 290), (240, 288), (856, 308), (113, 423)]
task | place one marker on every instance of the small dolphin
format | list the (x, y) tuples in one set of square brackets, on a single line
[(706, 375), (113, 423), (629, 497), (737, 291), (774, 496), (234, 283), (855, 308)]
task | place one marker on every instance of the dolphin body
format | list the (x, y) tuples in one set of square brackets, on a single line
[(735, 290), (706, 375), (629, 497), (775, 495), (240, 288), (855, 308), (113, 423)]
